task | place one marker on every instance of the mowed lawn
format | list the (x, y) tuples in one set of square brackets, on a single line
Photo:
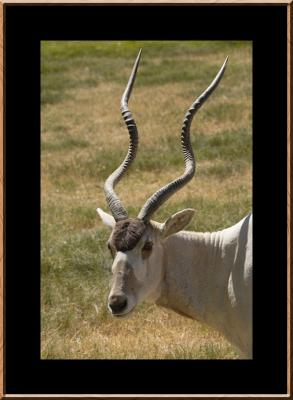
[(83, 138)]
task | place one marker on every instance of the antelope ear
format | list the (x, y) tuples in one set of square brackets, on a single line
[(177, 222), (106, 218)]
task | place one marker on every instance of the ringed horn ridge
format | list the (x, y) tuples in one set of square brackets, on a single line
[(118, 210), (165, 192)]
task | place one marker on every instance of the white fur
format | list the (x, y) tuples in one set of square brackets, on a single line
[(106, 218), (205, 276)]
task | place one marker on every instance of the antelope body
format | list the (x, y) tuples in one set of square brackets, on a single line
[(204, 276)]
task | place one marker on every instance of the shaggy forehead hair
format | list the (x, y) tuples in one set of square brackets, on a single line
[(127, 233)]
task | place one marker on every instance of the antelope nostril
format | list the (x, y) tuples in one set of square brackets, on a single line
[(117, 303)]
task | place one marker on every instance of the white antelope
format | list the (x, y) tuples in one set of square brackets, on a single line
[(205, 276)]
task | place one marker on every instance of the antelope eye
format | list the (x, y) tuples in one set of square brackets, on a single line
[(147, 248)]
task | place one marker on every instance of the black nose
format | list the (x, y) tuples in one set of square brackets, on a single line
[(117, 303)]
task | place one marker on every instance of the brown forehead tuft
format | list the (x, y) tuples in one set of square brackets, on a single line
[(127, 233)]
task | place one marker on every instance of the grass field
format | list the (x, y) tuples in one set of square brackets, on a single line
[(83, 138)]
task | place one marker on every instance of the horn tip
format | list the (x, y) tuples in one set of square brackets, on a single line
[(139, 54)]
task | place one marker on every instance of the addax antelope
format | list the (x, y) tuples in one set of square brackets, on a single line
[(205, 276)]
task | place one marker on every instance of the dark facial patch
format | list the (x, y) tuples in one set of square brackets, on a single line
[(147, 249), (127, 233)]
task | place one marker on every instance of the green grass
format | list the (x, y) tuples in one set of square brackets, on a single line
[(92, 63), (84, 139), (232, 146)]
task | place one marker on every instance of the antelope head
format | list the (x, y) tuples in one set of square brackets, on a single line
[(136, 244)]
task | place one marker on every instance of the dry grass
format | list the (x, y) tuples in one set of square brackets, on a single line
[(83, 139), (150, 333)]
